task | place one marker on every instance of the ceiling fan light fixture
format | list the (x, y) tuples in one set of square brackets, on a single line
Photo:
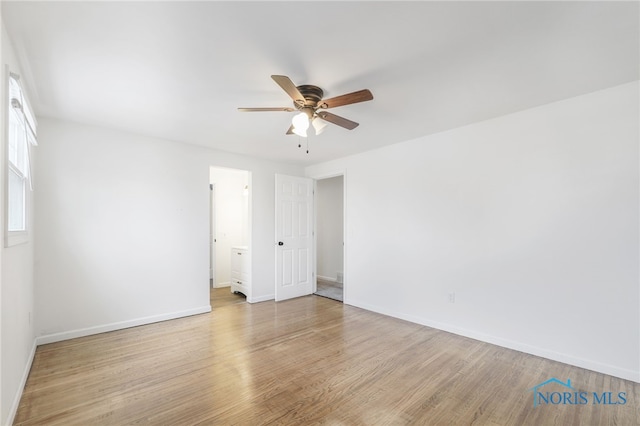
[(300, 121), (299, 132), (300, 124), (318, 125)]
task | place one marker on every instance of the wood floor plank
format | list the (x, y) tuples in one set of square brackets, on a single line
[(309, 360)]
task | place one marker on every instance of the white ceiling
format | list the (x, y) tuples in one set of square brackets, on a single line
[(179, 70)]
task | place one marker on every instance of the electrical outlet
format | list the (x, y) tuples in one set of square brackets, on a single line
[(452, 298)]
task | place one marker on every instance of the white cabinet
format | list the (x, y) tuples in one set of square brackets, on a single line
[(240, 267)]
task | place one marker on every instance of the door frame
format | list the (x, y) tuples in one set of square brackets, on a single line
[(316, 178), (212, 234), (247, 209)]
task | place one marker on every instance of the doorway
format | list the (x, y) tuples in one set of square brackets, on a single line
[(330, 237), (229, 225)]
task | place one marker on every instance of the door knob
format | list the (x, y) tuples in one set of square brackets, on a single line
[(280, 243)]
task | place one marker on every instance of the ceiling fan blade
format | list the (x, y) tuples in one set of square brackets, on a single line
[(290, 131), (288, 86), (349, 98), (336, 119), (286, 109)]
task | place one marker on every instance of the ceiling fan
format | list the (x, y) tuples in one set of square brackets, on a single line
[(308, 100)]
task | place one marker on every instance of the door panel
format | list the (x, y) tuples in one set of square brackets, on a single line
[(294, 208), (287, 268)]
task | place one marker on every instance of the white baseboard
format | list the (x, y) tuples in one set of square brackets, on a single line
[(66, 335), (221, 285), (599, 367), (23, 381), (261, 298), (333, 280)]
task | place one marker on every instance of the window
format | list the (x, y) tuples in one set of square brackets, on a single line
[(21, 136)]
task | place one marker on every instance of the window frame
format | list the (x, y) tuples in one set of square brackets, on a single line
[(21, 236)]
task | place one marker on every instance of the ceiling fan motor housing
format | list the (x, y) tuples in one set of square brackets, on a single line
[(312, 95)]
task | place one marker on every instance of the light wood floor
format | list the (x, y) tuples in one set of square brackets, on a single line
[(221, 297), (305, 361)]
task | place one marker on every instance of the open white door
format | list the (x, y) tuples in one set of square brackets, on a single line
[(294, 237)]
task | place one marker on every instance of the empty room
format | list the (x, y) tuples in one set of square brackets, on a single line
[(320, 212)]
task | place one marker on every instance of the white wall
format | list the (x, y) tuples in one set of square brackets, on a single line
[(231, 218), (530, 219), (124, 228), (329, 227), (16, 282)]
